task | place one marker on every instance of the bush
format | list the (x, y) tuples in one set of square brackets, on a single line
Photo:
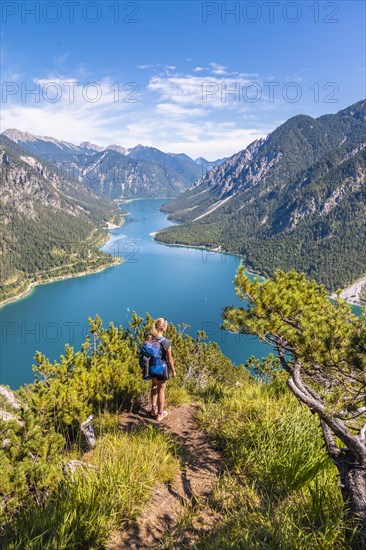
[(122, 473), (100, 379)]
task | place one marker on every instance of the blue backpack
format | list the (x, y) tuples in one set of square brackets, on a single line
[(150, 359)]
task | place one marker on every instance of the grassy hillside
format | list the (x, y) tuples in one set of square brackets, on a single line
[(278, 488)]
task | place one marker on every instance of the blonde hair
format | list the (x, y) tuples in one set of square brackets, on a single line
[(160, 324)]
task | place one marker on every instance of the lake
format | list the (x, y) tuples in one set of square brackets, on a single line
[(185, 285)]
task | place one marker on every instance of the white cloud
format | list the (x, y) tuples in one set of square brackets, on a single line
[(214, 68), (297, 76), (209, 139), (177, 111), (209, 92), (157, 67), (11, 76), (66, 107), (169, 114), (218, 69), (248, 75)]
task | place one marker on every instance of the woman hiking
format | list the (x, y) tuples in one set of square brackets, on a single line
[(158, 382)]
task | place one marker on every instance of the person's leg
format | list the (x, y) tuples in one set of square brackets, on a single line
[(161, 395), (154, 395)]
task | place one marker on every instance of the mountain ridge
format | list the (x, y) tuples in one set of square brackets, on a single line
[(271, 201), (139, 171), (143, 172)]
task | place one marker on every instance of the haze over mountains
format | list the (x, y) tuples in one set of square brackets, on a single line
[(115, 171), (295, 199)]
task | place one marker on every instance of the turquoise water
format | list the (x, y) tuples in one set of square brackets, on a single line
[(185, 285)]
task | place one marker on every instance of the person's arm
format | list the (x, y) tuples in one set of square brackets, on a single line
[(170, 360)]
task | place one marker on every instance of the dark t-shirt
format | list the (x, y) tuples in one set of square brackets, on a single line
[(165, 345)]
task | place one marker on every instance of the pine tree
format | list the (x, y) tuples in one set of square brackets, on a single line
[(322, 347)]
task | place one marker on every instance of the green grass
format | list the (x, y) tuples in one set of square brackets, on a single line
[(176, 395), (123, 471), (280, 490)]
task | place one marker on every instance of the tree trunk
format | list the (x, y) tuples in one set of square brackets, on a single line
[(353, 486), (88, 431)]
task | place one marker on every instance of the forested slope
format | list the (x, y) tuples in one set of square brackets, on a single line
[(50, 226), (296, 199)]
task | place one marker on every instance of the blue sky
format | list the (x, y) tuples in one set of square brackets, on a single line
[(160, 73)]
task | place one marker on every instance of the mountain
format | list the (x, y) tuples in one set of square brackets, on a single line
[(48, 148), (115, 171), (202, 160), (60, 156), (51, 227), (119, 176), (295, 199), (118, 148), (180, 164), (87, 147)]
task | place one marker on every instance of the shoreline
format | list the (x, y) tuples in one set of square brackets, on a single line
[(350, 294), (200, 247), (218, 249), (125, 201), (111, 226), (31, 286)]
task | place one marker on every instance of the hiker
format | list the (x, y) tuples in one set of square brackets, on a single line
[(158, 382)]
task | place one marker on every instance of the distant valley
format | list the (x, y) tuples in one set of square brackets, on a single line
[(57, 202), (296, 199)]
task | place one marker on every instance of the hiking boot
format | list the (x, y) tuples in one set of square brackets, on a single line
[(161, 415)]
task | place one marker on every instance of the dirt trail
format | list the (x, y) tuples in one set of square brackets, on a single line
[(161, 524)]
